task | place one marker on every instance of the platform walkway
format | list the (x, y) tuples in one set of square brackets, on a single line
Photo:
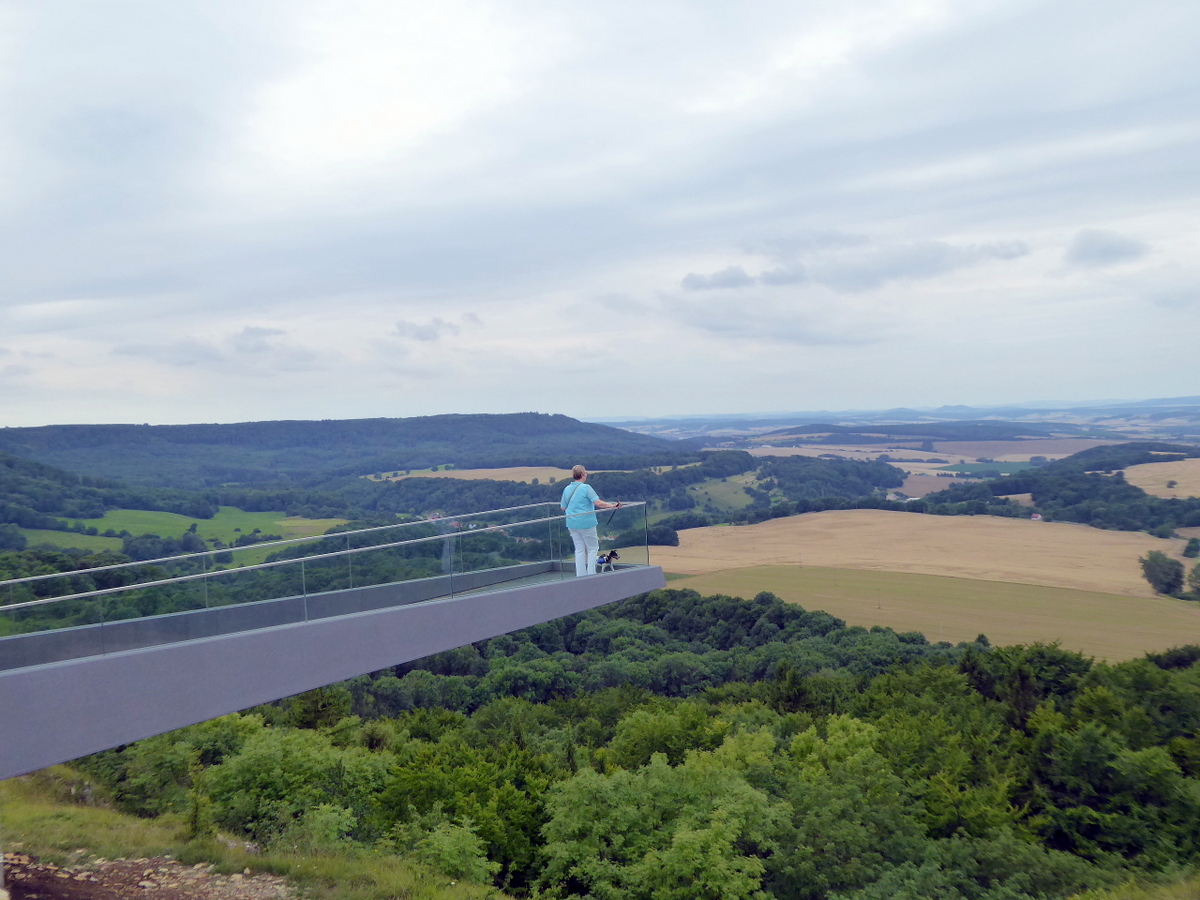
[(69, 692)]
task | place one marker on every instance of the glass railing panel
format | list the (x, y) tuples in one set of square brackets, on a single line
[(518, 552), (447, 555), (625, 531)]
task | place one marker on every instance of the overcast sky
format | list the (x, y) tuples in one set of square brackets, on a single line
[(224, 211)]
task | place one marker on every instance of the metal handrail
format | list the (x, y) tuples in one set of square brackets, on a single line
[(283, 562), (256, 545)]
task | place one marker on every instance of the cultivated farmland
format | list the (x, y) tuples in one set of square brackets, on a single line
[(1053, 554), (1107, 626), (1154, 477)]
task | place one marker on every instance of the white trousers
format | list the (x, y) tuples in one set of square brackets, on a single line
[(587, 548)]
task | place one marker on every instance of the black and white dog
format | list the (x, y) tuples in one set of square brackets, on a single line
[(606, 560)]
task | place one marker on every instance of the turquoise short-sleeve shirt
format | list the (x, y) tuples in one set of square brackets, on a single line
[(579, 500)]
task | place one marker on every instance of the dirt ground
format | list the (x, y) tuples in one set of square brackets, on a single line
[(1153, 477), (985, 547), (1105, 626), (27, 878)]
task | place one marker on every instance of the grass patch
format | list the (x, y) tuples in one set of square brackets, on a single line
[(725, 495), (38, 817), (1106, 626), (69, 539), (226, 525), (987, 469)]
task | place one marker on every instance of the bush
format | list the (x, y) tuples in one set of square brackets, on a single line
[(1164, 574), (1192, 550), (11, 538)]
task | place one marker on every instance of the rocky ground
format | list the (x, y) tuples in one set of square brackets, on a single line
[(27, 878)]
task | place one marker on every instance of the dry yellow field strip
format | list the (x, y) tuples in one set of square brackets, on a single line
[(952, 451), (1106, 626), (993, 549), (1153, 477)]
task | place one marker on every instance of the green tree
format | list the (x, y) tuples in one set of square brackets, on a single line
[(1193, 579), (1192, 550), (698, 830), (1164, 574)]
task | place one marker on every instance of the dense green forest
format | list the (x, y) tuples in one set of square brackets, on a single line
[(706, 747), (309, 454), (34, 495)]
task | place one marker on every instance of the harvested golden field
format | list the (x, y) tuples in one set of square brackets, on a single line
[(1106, 626), (1153, 477), (984, 547)]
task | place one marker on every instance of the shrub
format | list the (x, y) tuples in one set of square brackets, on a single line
[(1164, 574)]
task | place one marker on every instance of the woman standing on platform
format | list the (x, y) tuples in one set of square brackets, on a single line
[(580, 503)]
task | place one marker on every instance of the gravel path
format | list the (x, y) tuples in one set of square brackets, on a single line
[(147, 879)]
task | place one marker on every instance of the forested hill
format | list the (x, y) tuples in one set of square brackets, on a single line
[(312, 452), (679, 746), (34, 495)]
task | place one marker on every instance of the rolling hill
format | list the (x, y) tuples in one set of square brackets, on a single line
[(314, 452)]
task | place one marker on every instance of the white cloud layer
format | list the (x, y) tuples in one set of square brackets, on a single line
[(218, 211)]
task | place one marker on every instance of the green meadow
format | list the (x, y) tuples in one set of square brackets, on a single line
[(63, 539), (226, 526), (725, 493)]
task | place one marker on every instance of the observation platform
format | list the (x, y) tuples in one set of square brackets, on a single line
[(93, 669)]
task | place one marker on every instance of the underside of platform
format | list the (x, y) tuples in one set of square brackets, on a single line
[(59, 702)]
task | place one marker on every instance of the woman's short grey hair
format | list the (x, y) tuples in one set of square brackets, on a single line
[(578, 472)]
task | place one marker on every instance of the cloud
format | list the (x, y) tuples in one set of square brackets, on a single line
[(253, 350), (184, 354), (432, 330), (731, 277), (253, 339), (765, 317), (779, 275), (818, 165), (1170, 287), (1092, 248), (791, 247), (909, 261)]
